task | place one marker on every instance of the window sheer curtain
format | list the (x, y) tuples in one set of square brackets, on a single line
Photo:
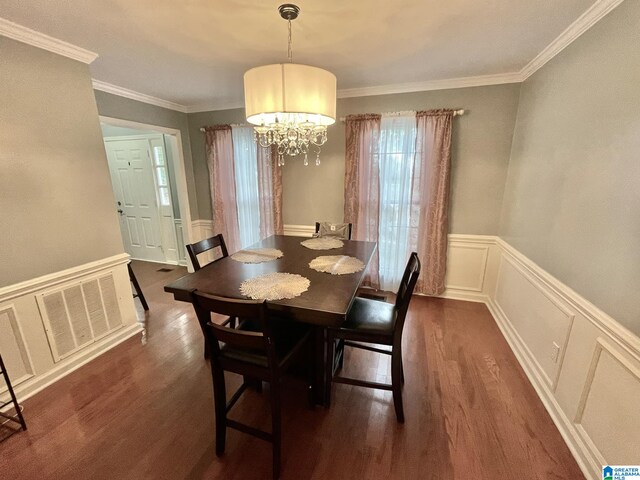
[(397, 192), (397, 158), (245, 161), (246, 186)]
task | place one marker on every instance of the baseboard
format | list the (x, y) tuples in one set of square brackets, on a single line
[(94, 298), (533, 298), (535, 311), (29, 388), (559, 418)]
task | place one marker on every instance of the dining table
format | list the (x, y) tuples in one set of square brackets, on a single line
[(325, 304)]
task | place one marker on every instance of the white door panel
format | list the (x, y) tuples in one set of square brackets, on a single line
[(132, 174)]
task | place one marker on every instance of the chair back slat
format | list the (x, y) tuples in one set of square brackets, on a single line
[(195, 249), (238, 338), (260, 340)]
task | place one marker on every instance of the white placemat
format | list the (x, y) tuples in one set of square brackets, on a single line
[(323, 243), (275, 286), (336, 264), (257, 255)]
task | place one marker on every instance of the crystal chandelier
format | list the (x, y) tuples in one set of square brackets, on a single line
[(290, 105)]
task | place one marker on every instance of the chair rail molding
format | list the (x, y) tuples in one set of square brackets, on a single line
[(81, 296), (570, 350), (560, 340)]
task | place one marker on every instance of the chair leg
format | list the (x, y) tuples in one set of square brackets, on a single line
[(329, 369), (396, 382), (220, 403), (207, 354), (341, 361), (276, 427), (136, 286), (254, 383), (311, 376), (401, 365)]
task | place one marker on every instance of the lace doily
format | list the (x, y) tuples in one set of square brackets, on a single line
[(257, 255), (336, 264), (323, 243), (275, 286)]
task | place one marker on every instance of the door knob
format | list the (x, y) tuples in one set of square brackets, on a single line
[(120, 211)]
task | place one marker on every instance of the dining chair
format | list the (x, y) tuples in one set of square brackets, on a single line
[(375, 322), (195, 249), (339, 230), (261, 348)]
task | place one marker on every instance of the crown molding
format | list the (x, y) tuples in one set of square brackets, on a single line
[(140, 97), (45, 42), (214, 106), (583, 23), (462, 82)]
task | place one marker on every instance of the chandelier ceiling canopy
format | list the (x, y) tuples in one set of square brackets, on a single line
[(290, 104)]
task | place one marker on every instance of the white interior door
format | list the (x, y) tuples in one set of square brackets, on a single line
[(134, 187)]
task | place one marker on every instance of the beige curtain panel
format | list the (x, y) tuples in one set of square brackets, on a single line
[(219, 149), (430, 191), (428, 222), (270, 192), (361, 184)]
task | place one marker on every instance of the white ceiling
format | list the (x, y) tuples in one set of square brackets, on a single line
[(194, 52)]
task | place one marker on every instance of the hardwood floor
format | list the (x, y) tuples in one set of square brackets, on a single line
[(146, 411)]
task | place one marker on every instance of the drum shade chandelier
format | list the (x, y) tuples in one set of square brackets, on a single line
[(290, 105)]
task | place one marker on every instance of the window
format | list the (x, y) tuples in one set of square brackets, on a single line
[(245, 164), (162, 177), (396, 155)]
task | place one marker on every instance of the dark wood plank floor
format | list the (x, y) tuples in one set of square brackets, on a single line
[(145, 411)]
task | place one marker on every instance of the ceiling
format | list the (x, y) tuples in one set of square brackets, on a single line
[(194, 52)]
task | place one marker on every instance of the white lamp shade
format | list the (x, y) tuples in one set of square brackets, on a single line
[(288, 90)]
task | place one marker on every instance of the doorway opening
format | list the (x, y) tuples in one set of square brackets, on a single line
[(149, 185)]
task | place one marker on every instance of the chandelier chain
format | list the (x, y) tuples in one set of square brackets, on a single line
[(289, 48), (291, 133)]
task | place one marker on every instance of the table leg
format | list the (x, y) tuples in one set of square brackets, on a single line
[(319, 335)]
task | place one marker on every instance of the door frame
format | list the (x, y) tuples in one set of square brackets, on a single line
[(178, 168), (148, 137)]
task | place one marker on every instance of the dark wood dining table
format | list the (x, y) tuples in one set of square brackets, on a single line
[(325, 304)]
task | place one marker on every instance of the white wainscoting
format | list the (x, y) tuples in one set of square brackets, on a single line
[(203, 229), (86, 297), (583, 364), (182, 252), (589, 381)]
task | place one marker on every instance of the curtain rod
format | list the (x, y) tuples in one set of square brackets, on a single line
[(203, 129), (456, 113)]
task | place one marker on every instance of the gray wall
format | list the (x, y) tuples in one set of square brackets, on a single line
[(572, 199), (126, 109), (481, 147), (56, 203)]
